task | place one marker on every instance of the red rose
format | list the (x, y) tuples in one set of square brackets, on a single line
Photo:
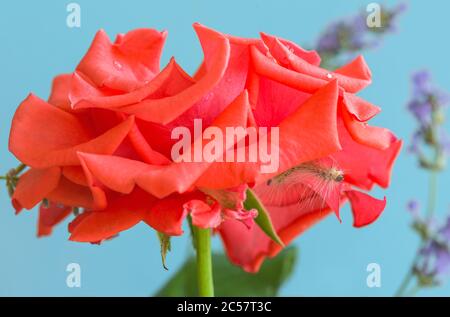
[(103, 141)]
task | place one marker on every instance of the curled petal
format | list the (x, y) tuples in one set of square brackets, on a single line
[(359, 74), (144, 150), (59, 95), (364, 166), (167, 215), (216, 48), (75, 174), (357, 69), (376, 137), (203, 215), (264, 66), (361, 109), (121, 214), (50, 215), (171, 80), (34, 185), (245, 216), (275, 102), (71, 194), (311, 57), (56, 144), (126, 64), (365, 208)]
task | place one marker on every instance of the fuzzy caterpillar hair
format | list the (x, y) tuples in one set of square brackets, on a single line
[(309, 184)]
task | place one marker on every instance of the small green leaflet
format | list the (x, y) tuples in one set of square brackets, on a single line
[(263, 219), (164, 241)]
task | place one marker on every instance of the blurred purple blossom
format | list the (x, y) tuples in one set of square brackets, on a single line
[(413, 207), (434, 264), (445, 231), (345, 38), (428, 104)]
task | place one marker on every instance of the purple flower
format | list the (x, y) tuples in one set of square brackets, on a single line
[(347, 37), (422, 111), (436, 261), (421, 82), (416, 141), (434, 265), (413, 207), (329, 42), (444, 141), (427, 105), (391, 19), (445, 231), (442, 263)]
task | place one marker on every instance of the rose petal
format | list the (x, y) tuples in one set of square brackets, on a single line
[(126, 64), (34, 185), (216, 48), (312, 57), (365, 208), (59, 95), (171, 80), (376, 137), (56, 144), (203, 215), (363, 165), (71, 194), (167, 215), (50, 216), (121, 214), (360, 73)]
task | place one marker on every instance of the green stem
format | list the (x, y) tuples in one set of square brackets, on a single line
[(204, 265), (406, 280), (15, 172), (432, 194), (413, 292), (20, 168), (432, 197)]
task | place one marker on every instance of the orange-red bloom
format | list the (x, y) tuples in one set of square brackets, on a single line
[(102, 141)]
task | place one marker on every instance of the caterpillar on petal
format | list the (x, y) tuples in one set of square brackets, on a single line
[(312, 185)]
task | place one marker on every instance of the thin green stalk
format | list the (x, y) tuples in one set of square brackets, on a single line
[(406, 280), (432, 194), (414, 291), (20, 168), (204, 264), (432, 198)]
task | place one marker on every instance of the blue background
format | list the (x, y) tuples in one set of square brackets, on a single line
[(36, 44)]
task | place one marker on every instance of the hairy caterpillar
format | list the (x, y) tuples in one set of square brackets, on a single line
[(311, 185)]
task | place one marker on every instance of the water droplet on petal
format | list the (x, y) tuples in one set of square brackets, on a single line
[(329, 75), (117, 65)]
